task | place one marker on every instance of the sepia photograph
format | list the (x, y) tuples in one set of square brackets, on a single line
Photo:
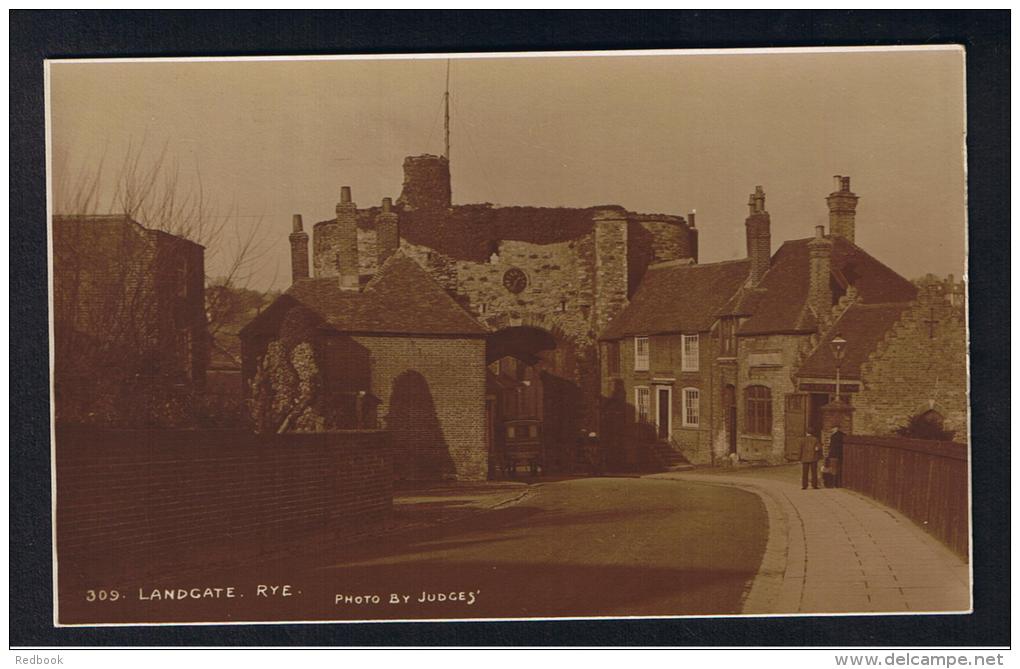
[(509, 336)]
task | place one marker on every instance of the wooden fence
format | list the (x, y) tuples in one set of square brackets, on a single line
[(927, 481)]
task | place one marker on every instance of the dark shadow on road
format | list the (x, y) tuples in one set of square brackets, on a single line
[(590, 547)]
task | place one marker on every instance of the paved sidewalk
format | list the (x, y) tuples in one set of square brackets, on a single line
[(835, 551)]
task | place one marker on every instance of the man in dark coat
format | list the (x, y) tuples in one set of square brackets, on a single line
[(810, 452), (835, 461)]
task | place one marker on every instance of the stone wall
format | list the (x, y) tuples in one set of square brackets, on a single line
[(432, 399), (559, 298), (611, 276), (426, 183), (912, 372), (137, 499)]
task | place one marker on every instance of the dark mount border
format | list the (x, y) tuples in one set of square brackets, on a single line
[(36, 35)]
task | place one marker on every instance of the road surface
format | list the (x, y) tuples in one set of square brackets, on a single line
[(582, 547)]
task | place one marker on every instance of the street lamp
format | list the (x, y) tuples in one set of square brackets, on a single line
[(838, 347)]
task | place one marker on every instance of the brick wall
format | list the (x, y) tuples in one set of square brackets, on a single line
[(432, 394), (132, 498), (912, 371)]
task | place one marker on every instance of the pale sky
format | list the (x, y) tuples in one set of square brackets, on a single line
[(662, 133)]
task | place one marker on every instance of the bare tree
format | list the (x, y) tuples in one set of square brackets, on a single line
[(132, 325)]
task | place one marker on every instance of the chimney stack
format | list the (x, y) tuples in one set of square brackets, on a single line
[(842, 209), (298, 251), (759, 236), (387, 231), (820, 287), (347, 240), (692, 234)]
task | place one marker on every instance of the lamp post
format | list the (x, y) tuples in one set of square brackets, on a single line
[(838, 347)]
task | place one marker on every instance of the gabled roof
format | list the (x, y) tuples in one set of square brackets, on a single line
[(678, 297), (779, 304), (863, 326), (401, 299)]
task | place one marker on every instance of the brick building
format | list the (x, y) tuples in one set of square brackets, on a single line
[(129, 317), (392, 350), (541, 282), (734, 358), (659, 362)]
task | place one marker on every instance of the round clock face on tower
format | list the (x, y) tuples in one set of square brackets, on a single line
[(515, 280)]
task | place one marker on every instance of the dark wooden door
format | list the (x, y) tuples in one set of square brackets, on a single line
[(665, 417), (796, 423)]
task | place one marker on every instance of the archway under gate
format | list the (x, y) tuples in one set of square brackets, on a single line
[(534, 407)]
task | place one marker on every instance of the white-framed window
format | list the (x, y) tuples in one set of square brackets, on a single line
[(692, 406), (643, 404), (689, 361), (642, 352)]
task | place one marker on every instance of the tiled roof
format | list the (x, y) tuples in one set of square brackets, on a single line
[(675, 297), (779, 303), (863, 326), (401, 299), (472, 231)]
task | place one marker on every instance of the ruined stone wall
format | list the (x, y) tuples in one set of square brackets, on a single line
[(611, 276), (669, 238), (912, 372), (559, 297), (426, 183), (325, 240)]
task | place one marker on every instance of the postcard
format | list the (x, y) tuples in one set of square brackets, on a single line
[(509, 336)]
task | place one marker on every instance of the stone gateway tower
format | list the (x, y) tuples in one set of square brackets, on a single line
[(542, 281)]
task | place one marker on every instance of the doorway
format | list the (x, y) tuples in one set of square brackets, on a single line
[(814, 419), (664, 416)]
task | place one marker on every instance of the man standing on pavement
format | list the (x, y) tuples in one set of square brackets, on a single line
[(835, 460), (810, 451)]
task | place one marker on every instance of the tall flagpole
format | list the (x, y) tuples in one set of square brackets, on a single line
[(446, 116)]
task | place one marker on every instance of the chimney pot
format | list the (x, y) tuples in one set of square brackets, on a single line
[(298, 250), (347, 241), (387, 204), (819, 231), (842, 209), (690, 217), (837, 183), (759, 237)]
